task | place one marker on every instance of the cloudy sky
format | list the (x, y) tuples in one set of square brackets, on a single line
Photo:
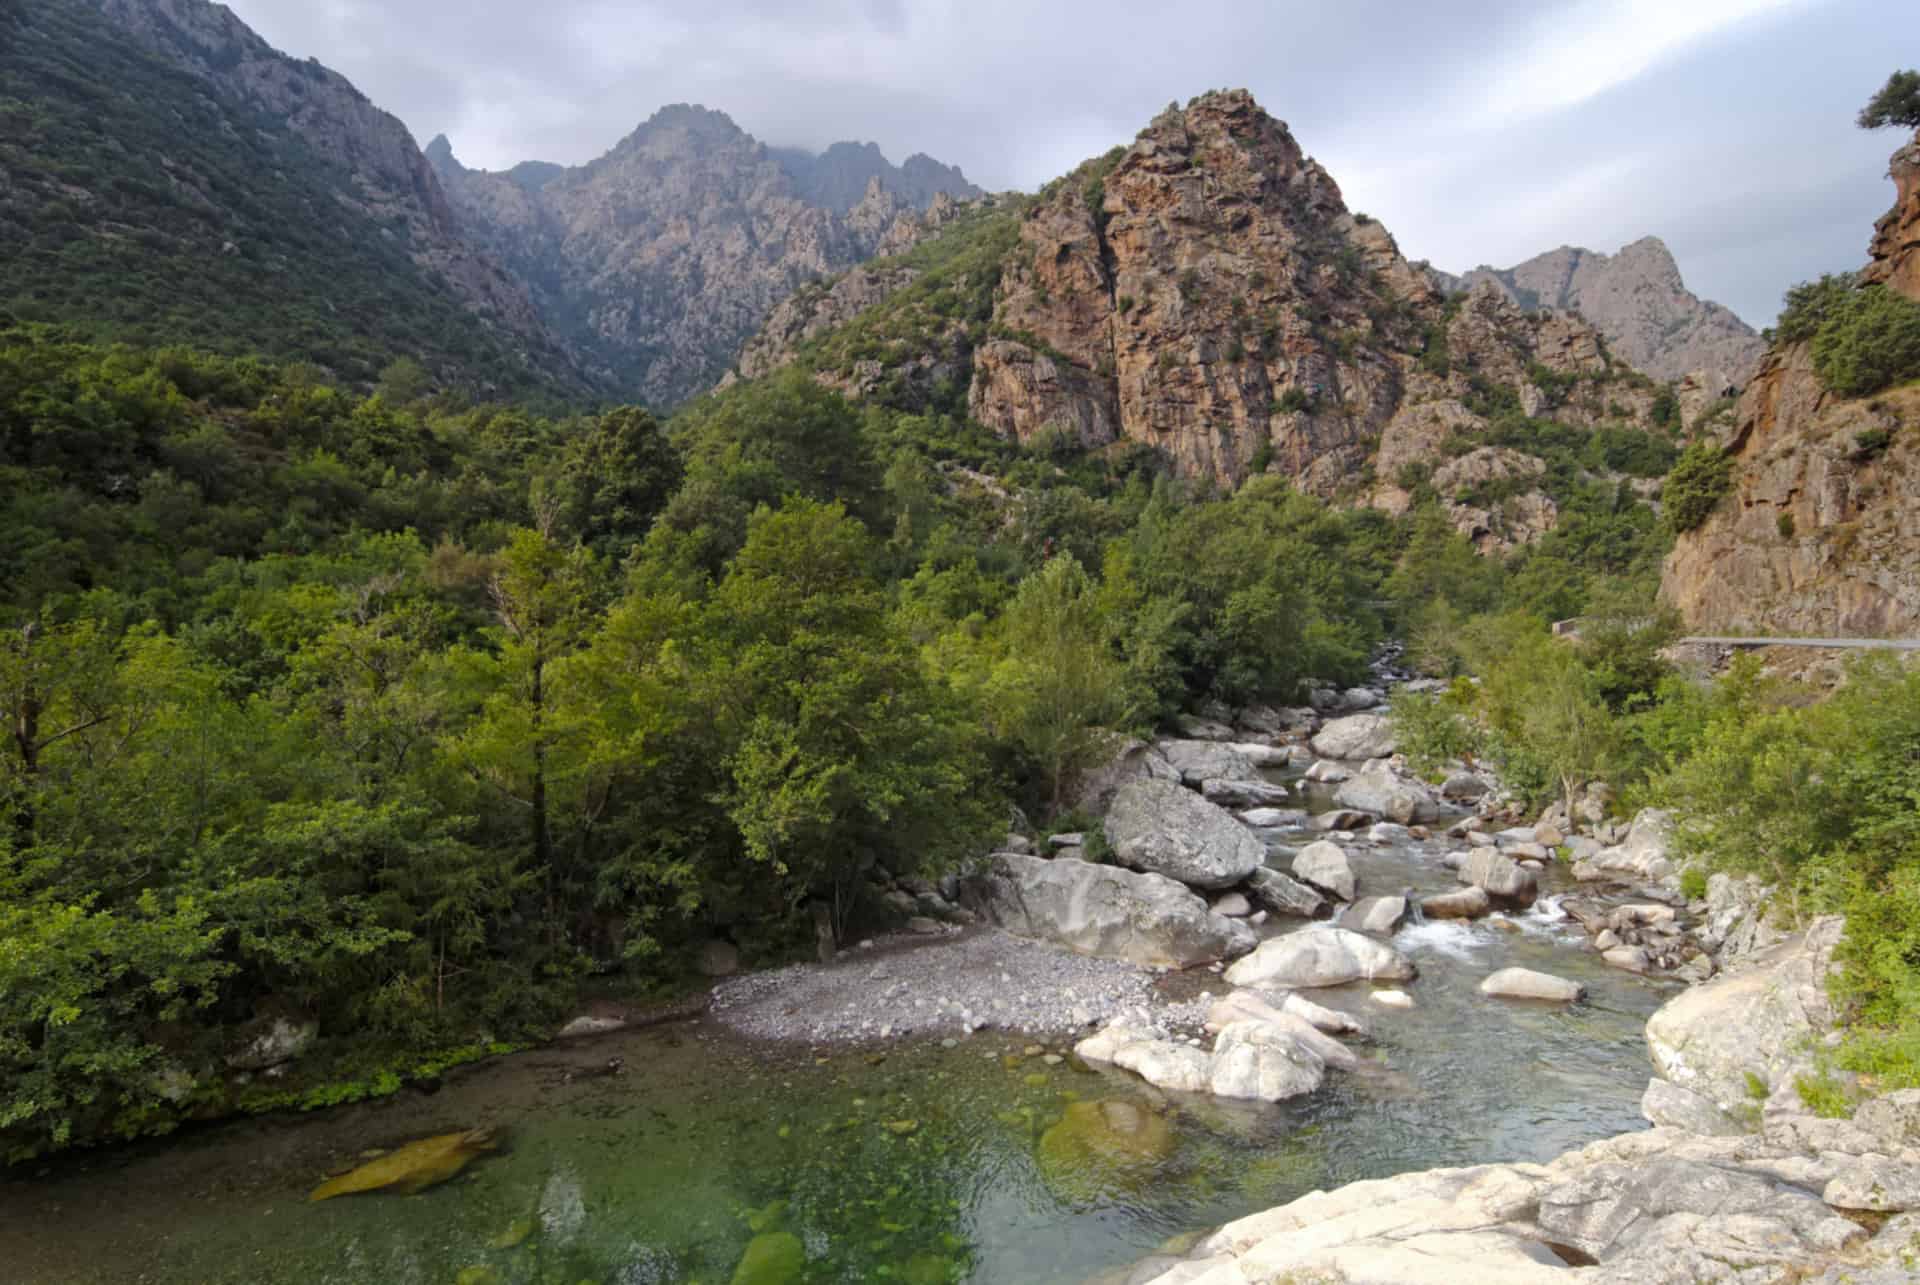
[(1479, 131)]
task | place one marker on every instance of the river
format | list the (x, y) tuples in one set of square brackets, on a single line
[(916, 1162)]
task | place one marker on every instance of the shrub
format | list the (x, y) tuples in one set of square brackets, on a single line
[(1871, 341), (1809, 304), (1700, 479), (1784, 525), (1872, 443), (1294, 399), (1433, 731)]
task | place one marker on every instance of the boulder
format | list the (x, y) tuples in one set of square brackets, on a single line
[(1358, 736), (589, 1024), (1671, 1107), (1340, 819), (1127, 760), (1876, 1185), (1644, 856), (1283, 894), (1761, 1020), (1243, 794), (1379, 915), (1468, 903), (1525, 983), (1196, 728), (719, 958), (1273, 818), (1263, 756), (1330, 1020), (1320, 957), (273, 1040), (1324, 865), (1462, 787), (1102, 910), (1251, 1006), (1359, 698), (1161, 828), (1327, 772), (1234, 906), (1265, 1062), (1197, 761), (1632, 959), (1380, 792), (1499, 876)]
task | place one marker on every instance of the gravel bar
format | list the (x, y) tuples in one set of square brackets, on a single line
[(952, 984)]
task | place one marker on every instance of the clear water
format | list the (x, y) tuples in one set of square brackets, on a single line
[(922, 1165)]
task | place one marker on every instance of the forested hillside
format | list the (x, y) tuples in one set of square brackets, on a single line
[(140, 201), (402, 714)]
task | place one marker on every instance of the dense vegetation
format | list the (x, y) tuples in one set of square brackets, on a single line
[(142, 207), (1865, 337), (408, 714)]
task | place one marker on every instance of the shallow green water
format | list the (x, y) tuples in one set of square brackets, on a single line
[(926, 1165)]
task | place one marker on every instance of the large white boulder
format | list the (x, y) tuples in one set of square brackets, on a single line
[(1379, 791), (1644, 856), (1126, 760), (1162, 828), (1358, 736), (1761, 1020), (1198, 761), (1103, 910), (1320, 957)]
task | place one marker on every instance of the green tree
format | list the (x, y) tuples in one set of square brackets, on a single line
[(1897, 103)]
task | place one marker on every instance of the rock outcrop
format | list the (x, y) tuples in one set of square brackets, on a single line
[(1747, 1035), (1146, 919), (1205, 294), (1637, 300), (1819, 535)]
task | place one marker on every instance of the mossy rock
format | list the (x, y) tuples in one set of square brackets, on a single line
[(1099, 1147), (774, 1258)]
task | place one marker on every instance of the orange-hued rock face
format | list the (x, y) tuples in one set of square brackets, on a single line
[(1821, 535), (1896, 237)]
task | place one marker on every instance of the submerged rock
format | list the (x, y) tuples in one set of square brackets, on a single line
[(772, 1258), (414, 1167), (1098, 1148), (1163, 829), (1525, 983)]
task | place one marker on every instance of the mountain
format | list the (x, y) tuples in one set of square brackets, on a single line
[(1204, 294), (838, 177), (166, 176), (1638, 301), (661, 257), (1819, 534)]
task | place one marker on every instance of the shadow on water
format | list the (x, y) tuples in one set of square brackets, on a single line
[(715, 1160)]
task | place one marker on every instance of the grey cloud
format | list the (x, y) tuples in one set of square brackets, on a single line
[(1737, 147)]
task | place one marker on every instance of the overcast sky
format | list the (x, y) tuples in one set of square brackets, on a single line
[(1479, 131)]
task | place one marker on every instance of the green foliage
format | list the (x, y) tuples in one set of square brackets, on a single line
[(1897, 103), (1870, 342), (1784, 525), (1810, 305), (1433, 731), (1293, 401), (1823, 801), (1700, 480), (143, 207), (1872, 443)]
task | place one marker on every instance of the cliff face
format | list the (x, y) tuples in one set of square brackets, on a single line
[(1820, 534), (663, 256), (838, 177), (1205, 294), (1637, 300)]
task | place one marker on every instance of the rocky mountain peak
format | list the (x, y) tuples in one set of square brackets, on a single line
[(1638, 300)]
